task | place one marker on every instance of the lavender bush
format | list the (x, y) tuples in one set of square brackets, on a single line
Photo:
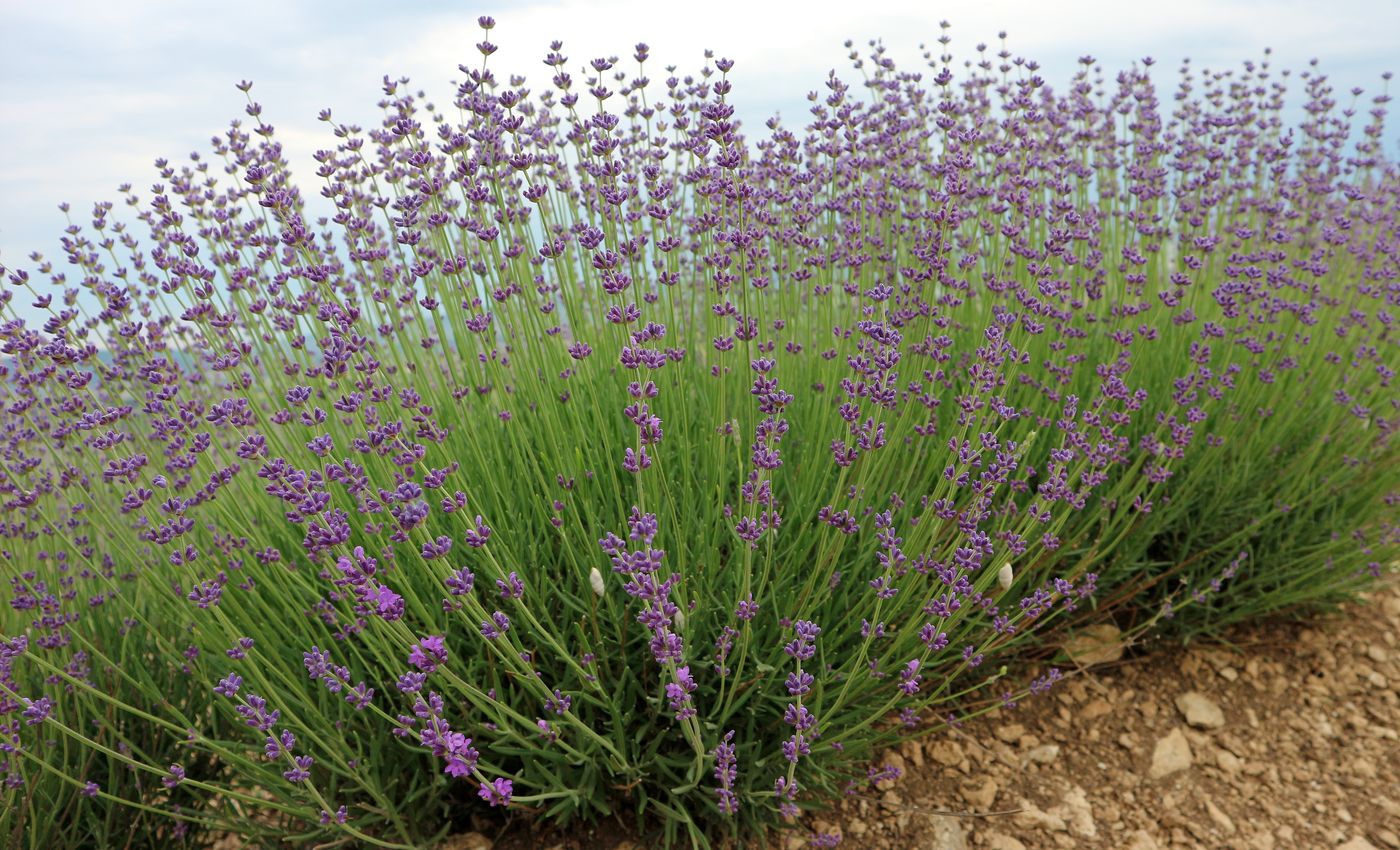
[(592, 459)]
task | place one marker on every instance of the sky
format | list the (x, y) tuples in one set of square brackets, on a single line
[(93, 91)]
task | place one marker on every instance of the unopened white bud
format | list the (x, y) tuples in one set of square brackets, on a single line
[(680, 619), (595, 578), (1005, 576)]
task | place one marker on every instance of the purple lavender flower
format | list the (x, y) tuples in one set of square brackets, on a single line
[(228, 686), (496, 792), (678, 694), (803, 647), (301, 770), (909, 678), (498, 625), (512, 587), (428, 653), (726, 773), (37, 711)]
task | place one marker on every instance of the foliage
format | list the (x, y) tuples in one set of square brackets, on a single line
[(590, 459)]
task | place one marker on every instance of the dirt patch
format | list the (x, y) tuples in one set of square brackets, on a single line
[(1283, 736)]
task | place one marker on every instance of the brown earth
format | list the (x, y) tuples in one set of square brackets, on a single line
[(1284, 735)]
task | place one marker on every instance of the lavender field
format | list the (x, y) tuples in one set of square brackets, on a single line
[(602, 457)]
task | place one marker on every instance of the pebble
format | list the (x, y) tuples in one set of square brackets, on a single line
[(1010, 733), (1357, 843), (946, 753), (1172, 754), (1080, 814), (913, 752), (945, 834), (1221, 819), (1095, 709), (1200, 711), (1098, 644), (1031, 817), (1002, 841), (1044, 754), (1141, 839), (980, 795)]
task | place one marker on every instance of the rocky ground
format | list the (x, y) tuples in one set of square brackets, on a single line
[(1284, 737), (1287, 739)]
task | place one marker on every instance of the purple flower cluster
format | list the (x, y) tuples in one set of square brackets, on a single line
[(931, 370)]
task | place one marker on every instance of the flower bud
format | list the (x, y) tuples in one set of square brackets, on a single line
[(595, 578), (1005, 576)]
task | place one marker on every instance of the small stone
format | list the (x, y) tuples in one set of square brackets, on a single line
[(1080, 814), (980, 795), (1002, 841), (1031, 817), (1357, 843), (1110, 813), (1228, 762), (945, 833), (1221, 819), (946, 753), (466, 841), (1141, 839), (1229, 674), (913, 752), (1095, 709), (1010, 733), (1262, 841), (1097, 644), (1044, 754), (1389, 806), (1388, 838), (1200, 711), (1172, 754), (1377, 653)]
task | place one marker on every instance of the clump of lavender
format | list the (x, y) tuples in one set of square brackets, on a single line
[(593, 454)]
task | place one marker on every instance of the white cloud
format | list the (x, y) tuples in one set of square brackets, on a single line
[(91, 92)]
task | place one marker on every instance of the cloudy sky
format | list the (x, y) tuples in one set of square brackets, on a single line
[(91, 91)]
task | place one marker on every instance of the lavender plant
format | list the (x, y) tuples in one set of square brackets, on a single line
[(591, 459)]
